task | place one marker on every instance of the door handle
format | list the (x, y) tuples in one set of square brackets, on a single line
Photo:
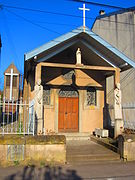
[(66, 113)]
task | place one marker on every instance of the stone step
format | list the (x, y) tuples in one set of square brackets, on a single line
[(85, 151), (91, 158), (76, 136)]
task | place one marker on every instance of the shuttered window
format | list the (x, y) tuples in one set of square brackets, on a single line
[(7, 80), (14, 81)]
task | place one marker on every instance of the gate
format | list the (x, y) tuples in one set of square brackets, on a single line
[(16, 117)]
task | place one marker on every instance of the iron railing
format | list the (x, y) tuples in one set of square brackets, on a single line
[(128, 113), (129, 117), (16, 117)]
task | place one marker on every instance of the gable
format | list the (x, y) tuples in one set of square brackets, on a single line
[(11, 66), (92, 44)]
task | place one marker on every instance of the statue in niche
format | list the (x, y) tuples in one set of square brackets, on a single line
[(117, 102), (78, 56)]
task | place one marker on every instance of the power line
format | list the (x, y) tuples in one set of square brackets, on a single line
[(32, 22), (54, 23), (121, 81), (29, 21), (98, 4), (63, 14), (40, 11)]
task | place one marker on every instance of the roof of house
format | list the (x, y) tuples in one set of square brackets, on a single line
[(94, 42), (130, 9), (11, 66)]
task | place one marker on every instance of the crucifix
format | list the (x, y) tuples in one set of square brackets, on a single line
[(84, 9), (11, 74)]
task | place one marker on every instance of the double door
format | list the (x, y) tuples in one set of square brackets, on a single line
[(68, 114)]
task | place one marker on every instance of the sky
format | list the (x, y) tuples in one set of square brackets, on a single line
[(23, 30)]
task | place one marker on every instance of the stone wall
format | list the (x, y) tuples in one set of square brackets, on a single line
[(126, 146), (32, 149)]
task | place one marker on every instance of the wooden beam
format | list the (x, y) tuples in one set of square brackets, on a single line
[(73, 66)]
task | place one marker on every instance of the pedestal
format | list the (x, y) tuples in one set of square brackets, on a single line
[(118, 127)]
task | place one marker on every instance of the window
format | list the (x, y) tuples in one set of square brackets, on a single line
[(7, 80), (46, 96), (14, 81), (91, 96), (68, 92)]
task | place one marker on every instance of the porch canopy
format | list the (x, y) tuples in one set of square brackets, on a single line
[(95, 51)]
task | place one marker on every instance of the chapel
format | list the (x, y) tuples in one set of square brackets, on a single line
[(66, 78)]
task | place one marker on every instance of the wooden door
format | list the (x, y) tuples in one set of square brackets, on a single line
[(68, 114)]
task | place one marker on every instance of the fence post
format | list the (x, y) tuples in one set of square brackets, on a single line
[(8, 116), (33, 120), (28, 122), (16, 114), (25, 111), (3, 113)]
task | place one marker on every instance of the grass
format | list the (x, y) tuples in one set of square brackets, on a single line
[(42, 164), (16, 163)]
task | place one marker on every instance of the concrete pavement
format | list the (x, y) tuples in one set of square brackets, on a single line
[(92, 171)]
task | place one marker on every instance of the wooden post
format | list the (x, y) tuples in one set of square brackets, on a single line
[(117, 104), (116, 76), (38, 73)]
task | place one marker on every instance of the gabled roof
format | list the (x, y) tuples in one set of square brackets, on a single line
[(94, 42), (10, 67)]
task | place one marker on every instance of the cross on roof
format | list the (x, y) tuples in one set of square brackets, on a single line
[(84, 9)]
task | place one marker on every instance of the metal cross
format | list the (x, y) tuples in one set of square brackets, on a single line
[(11, 81), (84, 9)]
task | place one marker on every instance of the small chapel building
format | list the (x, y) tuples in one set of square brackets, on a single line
[(66, 78)]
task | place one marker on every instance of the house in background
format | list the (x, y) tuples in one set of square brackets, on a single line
[(117, 28), (67, 80), (11, 83)]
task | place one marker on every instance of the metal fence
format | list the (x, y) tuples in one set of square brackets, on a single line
[(129, 117), (128, 112), (16, 117)]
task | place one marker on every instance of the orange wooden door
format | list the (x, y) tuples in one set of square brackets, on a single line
[(68, 114)]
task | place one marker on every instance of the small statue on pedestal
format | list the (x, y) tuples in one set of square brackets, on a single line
[(78, 57)]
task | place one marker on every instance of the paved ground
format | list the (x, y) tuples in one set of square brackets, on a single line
[(87, 168), (93, 171)]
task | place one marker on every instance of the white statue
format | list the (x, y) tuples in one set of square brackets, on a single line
[(78, 56), (39, 106), (117, 102)]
